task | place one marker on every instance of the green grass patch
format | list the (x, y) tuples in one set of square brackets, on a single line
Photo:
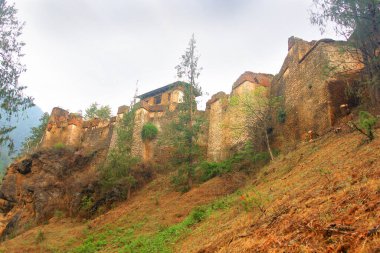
[(125, 240)]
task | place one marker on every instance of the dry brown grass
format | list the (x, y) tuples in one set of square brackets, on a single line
[(323, 197)]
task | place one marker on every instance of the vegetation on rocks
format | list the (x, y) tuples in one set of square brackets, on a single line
[(116, 172), (35, 138), (149, 132), (97, 111)]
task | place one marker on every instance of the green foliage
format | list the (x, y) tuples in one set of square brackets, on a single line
[(12, 99), (256, 201), (254, 111), (212, 169), (249, 157), (96, 111), (59, 214), (184, 130), (149, 132), (367, 123), (59, 146), (115, 173), (281, 115), (35, 138), (159, 242), (180, 180), (40, 237), (358, 20), (86, 203)]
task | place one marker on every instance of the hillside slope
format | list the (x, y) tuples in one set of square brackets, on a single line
[(323, 197)]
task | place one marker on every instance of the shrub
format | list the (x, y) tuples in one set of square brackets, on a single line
[(212, 169), (198, 215), (59, 146), (59, 214), (256, 200), (180, 180), (40, 237), (87, 202), (116, 172), (149, 132), (365, 125), (281, 115)]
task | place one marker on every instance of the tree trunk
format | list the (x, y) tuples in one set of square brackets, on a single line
[(268, 146)]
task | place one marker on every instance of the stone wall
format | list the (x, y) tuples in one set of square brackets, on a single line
[(226, 133), (69, 129), (312, 82), (139, 148)]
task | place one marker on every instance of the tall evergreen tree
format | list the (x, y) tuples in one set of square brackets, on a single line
[(186, 126)]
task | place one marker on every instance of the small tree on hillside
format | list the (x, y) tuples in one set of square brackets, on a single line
[(116, 173), (359, 21), (96, 111), (365, 125), (12, 98), (185, 128), (38, 132), (255, 109)]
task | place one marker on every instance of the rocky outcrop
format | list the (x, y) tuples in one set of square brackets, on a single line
[(50, 180), (69, 129)]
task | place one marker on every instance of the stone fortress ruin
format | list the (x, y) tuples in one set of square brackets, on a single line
[(312, 82)]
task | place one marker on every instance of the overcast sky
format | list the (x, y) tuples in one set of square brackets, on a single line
[(82, 51)]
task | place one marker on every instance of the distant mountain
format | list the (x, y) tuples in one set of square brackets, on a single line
[(24, 122)]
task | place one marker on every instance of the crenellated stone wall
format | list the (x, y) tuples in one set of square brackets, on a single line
[(312, 82), (71, 130), (226, 134)]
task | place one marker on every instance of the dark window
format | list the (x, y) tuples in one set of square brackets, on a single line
[(157, 100), (169, 96)]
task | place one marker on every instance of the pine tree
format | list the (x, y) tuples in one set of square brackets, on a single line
[(186, 127)]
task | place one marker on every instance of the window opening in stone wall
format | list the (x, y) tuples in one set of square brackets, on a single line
[(157, 100)]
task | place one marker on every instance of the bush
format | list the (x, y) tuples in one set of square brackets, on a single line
[(281, 115), (116, 172), (87, 202), (149, 132), (180, 180), (212, 169), (40, 237), (59, 146), (248, 158), (367, 123), (198, 215)]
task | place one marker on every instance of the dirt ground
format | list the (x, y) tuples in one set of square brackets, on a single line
[(323, 197)]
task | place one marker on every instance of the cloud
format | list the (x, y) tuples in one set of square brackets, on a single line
[(81, 51)]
